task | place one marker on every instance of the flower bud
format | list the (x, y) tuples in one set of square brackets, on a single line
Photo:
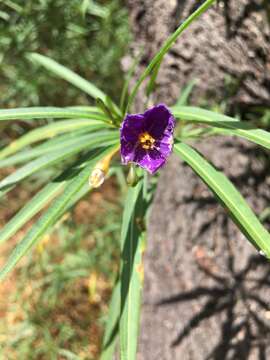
[(97, 177), (132, 177)]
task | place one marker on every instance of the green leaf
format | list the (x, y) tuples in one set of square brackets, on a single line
[(38, 202), (166, 47), (48, 146), (4, 16), (49, 131), (67, 354), (30, 209), (46, 113), (230, 198), (104, 108), (68, 75), (94, 9), (185, 93), (113, 108), (152, 82), (226, 125), (50, 216), (85, 108), (53, 144), (80, 194), (131, 280), (112, 325), (82, 143)]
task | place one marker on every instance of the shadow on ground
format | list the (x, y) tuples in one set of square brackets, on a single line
[(237, 337)]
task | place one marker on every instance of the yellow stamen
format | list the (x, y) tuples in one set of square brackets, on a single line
[(146, 140)]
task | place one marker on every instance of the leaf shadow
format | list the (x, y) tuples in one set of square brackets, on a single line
[(237, 338)]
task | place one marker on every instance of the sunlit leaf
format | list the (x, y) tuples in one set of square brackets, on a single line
[(153, 77), (225, 124), (50, 145), (132, 273), (30, 209), (166, 47), (68, 75), (185, 93), (44, 113), (229, 197), (49, 131), (81, 143), (112, 325), (50, 215)]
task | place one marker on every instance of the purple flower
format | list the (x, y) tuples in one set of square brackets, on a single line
[(147, 139)]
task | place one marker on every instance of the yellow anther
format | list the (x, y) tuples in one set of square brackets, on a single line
[(146, 140)]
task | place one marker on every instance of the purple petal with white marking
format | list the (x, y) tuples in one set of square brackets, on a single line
[(158, 124)]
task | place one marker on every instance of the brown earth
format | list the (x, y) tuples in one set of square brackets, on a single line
[(81, 304)]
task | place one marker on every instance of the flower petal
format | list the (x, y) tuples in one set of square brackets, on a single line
[(130, 130), (127, 151), (132, 127), (165, 148), (159, 123), (158, 120), (150, 160)]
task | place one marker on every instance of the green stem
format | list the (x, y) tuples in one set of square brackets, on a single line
[(169, 42)]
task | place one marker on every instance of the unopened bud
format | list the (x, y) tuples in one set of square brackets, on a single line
[(132, 178), (97, 177)]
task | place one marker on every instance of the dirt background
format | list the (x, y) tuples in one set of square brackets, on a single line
[(206, 290)]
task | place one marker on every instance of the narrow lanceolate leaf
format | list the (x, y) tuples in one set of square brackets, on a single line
[(230, 198), (166, 47), (30, 209), (68, 75), (77, 197), (49, 131), (152, 82), (185, 93), (86, 108), (82, 143), (226, 125), (131, 279), (112, 325), (50, 216), (43, 113), (54, 144), (51, 145), (38, 202)]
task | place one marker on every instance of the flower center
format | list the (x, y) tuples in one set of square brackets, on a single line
[(146, 140)]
